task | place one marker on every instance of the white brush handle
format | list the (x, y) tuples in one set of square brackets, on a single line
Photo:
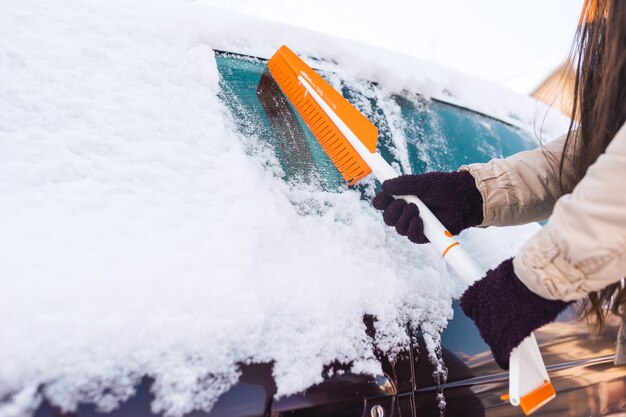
[(437, 234), (526, 368)]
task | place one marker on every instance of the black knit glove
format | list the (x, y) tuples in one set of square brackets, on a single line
[(451, 196), (506, 311)]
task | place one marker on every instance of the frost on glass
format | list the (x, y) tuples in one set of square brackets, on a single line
[(416, 134)]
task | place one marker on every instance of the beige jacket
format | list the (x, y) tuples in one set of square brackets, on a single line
[(582, 247)]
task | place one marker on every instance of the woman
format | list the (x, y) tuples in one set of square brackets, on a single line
[(577, 183)]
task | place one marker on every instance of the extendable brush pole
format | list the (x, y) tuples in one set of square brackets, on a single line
[(350, 141)]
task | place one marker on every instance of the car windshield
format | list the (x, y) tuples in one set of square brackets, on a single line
[(416, 133)]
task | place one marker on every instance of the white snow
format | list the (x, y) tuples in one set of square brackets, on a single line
[(138, 238), (491, 39)]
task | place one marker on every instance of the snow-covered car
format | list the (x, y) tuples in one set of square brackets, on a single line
[(176, 242), (437, 136)]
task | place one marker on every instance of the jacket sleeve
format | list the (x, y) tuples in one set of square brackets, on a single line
[(522, 188), (582, 248)]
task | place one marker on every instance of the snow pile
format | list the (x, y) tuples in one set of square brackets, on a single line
[(139, 239)]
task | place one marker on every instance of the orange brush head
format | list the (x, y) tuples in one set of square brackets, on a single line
[(285, 67)]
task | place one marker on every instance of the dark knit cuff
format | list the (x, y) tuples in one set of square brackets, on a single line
[(473, 201)]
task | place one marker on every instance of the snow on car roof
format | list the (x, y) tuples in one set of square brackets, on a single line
[(139, 238), (396, 72)]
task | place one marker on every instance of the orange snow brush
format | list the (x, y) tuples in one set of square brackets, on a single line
[(286, 68), (349, 139)]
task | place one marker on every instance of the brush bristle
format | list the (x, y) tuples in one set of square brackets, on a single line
[(345, 158)]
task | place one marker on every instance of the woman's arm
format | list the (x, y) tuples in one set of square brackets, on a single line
[(524, 187), (583, 246)]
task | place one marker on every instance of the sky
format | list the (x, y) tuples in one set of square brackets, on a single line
[(515, 43)]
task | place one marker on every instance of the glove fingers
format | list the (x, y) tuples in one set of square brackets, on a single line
[(382, 200), (393, 212), (416, 230), (407, 185), (408, 213)]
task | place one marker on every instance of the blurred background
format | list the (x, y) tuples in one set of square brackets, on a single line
[(522, 44)]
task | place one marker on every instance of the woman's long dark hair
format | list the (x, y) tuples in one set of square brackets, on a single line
[(599, 109)]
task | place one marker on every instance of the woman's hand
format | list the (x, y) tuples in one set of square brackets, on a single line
[(451, 196), (505, 311)]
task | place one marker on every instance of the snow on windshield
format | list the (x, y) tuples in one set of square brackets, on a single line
[(139, 238)]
